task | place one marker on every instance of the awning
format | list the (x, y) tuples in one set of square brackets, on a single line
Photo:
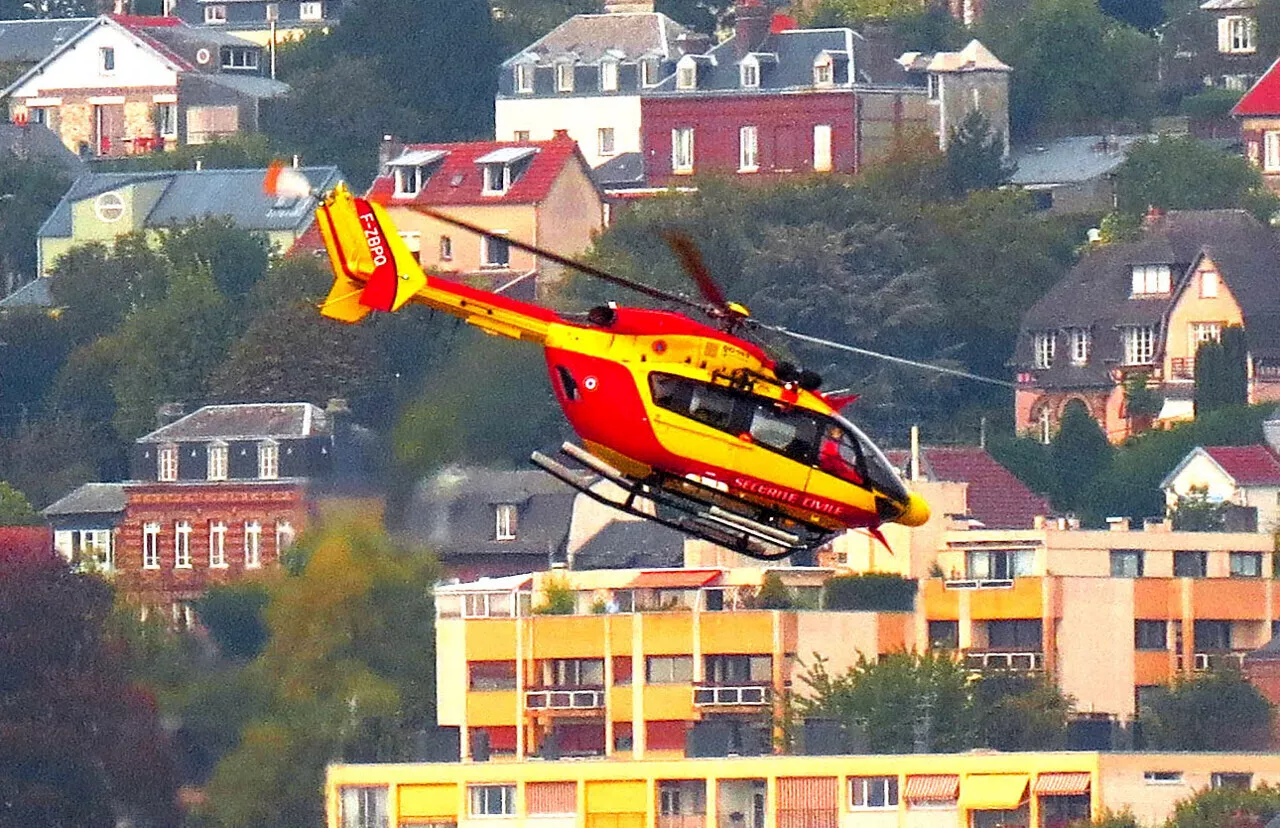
[(993, 791), (934, 788), (675, 579), (1061, 784), (417, 158), (507, 583), (506, 155)]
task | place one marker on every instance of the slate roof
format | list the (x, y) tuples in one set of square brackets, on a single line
[(458, 179), (1069, 160), (190, 195), (253, 86), (34, 294), (91, 498), (1263, 98), (995, 497), (36, 141), (244, 421), (588, 37), (31, 41), (796, 51), (1228, 5), (623, 170), (631, 544), (454, 513), (1095, 293)]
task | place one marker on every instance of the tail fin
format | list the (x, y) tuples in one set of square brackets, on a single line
[(372, 266)]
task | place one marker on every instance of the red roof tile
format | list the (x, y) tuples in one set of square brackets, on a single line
[(995, 496), (1247, 465), (459, 165), (1263, 98)]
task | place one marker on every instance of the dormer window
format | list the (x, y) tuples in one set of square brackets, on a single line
[(749, 73), (412, 170), (167, 463), (268, 460), (609, 76), (215, 14), (824, 71), (564, 77), (311, 10), (1236, 35), (1151, 279), (1081, 339), (935, 87), (239, 58), (524, 78), (1045, 343), (217, 461), (506, 522), (649, 72), (503, 167), (687, 74)]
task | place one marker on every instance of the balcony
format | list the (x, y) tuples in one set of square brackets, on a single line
[(565, 699), (682, 820), (980, 583), (1182, 368), (981, 661), (1214, 661), (716, 695)]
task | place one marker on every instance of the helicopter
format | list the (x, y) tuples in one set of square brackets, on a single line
[(697, 426)]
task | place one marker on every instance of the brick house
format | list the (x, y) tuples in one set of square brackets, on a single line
[(125, 85), (1214, 46), (1143, 308), (1258, 113)]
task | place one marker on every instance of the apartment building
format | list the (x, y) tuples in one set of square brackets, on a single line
[(633, 658), (974, 790)]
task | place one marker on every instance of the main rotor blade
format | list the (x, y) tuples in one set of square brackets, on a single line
[(581, 267), (692, 262), (928, 366)]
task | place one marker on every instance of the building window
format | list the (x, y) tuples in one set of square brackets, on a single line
[(822, 148), (605, 140), (520, 135), (1081, 338), (668, 669), (944, 635), (935, 87), (182, 545), (363, 806), (217, 545), (749, 74), (284, 535), (609, 76), (1126, 563), (238, 58), (215, 14), (252, 545), (573, 672), (738, 669), (1235, 781), (564, 77), (311, 11), (682, 150), (873, 792), (494, 252), (524, 78), (1024, 634), (217, 461), (107, 59), (273, 12), (1246, 564), (1236, 35), (268, 460), (497, 179), (1150, 635), (151, 546), (1000, 564), (1151, 279), (492, 800), (167, 464), (687, 75), (649, 72), (823, 74), (1202, 332), (1045, 343), (446, 249), (1190, 564), (748, 161), (1209, 280), (408, 181), (1139, 344), (167, 120), (1271, 151), (39, 115), (1162, 777), (506, 522)]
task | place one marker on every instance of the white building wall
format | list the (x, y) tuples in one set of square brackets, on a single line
[(581, 115), (80, 67)]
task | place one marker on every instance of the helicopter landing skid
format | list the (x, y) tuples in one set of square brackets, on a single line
[(673, 509)]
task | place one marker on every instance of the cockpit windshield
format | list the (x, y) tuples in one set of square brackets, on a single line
[(855, 458)]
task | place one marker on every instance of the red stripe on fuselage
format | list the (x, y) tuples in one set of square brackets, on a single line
[(380, 291)]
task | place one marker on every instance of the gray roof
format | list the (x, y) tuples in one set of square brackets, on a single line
[(191, 195), (1070, 160), (36, 141), (91, 498), (588, 37), (620, 171), (188, 35), (30, 41), (244, 421), (631, 544), (254, 86), (1228, 5), (34, 294)]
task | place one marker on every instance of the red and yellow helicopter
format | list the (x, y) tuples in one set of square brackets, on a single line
[(699, 428)]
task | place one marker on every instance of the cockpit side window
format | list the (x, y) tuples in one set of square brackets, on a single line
[(841, 454)]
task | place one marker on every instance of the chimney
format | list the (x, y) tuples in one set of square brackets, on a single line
[(560, 134), (1153, 216), (297, 161), (1118, 524), (170, 412), (388, 150), (750, 26)]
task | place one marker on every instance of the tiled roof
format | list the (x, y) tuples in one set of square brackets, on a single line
[(995, 497), (30, 41), (1247, 465), (143, 29), (457, 179), (34, 294), (1263, 98), (631, 544), (972, 58), (245, 421), (91, 498), (588, 37)]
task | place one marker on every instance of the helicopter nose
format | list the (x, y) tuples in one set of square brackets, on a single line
[(916, 511)]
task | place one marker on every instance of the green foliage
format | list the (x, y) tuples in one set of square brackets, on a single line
[(235, 259), (29, 190), (15, 509), (1144, 15), (872, 592), (1195, 512), (1080, 454), (1140, 399), (1211, 103), (1217, 711), (1110, 819), (558, 598), (1227, 807), (241, 151), (857, 13), (774, 594), (1222, 372), (1183, 173), (48, 457), (1017, 712), (1118, 226), (976, 156), (96, 286), (519, 23), (34, 345), (234, 615)]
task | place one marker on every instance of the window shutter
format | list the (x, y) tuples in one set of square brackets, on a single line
[(1224, 34)]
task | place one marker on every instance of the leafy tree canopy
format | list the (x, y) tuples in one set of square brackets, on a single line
[(1080, 454), (30, 189), (15, 509), (1227, 807), (1144, 15), (1222, 372), (1217, 711), (1183, 173), (976, 156), (1017, 712)]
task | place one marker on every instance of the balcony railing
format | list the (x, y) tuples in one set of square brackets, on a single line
[(1182, 368), (1020, 662), (731, 696), (564, 699), (1209, 662), (682, 820), (980, 583)]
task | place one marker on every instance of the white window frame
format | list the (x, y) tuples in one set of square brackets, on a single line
[(1045, 343), (608, 76), (311, 10), (1210, 280), (606, 141), (237, 57), (520, 135), (491, 800), (860, 790), (167, 463), (749, 73), (934, 85), (1151, 279), (505, 521), (182, 545), (1081, 340), (268, 460), (273, 12), (564, 77), (252, 544), (1139, 343), (446, 248), (1199, 333), (748, 149), (285, 535), (824, 71), (150, 546), (486, 251), (96, 545), (167, 120), (215, 14), (107, 59), (1237, 35), (1271, 151), (363, 806), (524, 78), (682, 150), (497, 179), (408, 185), (822, 154), (217, 544), (217, 461), (687, 74)]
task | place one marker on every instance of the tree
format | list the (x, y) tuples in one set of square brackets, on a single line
[(33, 344), (1195, 512), (1018, 712), (1141, 402), (1227, 807), (976, 158), (97, 286), (773, 593), (29, 190), (79, 743), (234, 615), (1221, 372), (48, 457), (1217, 711), (1080, 453), (15, 509), (235, 258), (1183, 173)]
